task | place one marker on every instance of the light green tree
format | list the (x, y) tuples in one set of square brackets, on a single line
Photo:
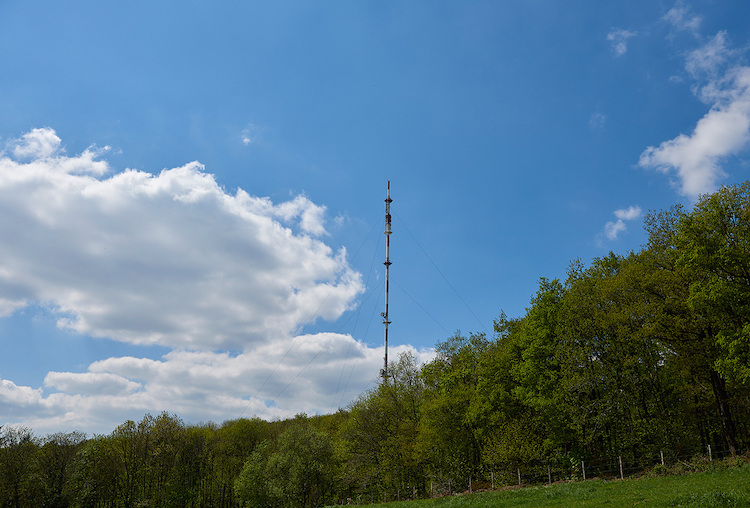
[(378, 441), (447, 440)]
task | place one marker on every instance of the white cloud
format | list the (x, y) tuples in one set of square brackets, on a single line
[(630, 213), (168, 259), (18, 396), (250, 134), (202, 385), (39, 144), (619, 39), (710, 57), (311, 216), (90, 383), (172, 259), (681, 18), (597, 121), (613, 229), (722, 132)]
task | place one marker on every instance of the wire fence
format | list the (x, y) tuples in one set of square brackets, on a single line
[(542, 472), (614, 468)]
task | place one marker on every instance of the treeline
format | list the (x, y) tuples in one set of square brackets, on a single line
[(628, 357)]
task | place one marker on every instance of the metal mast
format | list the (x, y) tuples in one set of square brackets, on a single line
[(386, 322)]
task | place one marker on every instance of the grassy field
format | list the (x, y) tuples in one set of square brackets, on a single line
[(709, 489)]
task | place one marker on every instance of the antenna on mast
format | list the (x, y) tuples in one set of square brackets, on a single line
[(386, 322)]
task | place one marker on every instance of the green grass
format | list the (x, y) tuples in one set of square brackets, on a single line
[(710, 489)]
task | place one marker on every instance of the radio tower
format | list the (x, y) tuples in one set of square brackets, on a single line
[(384, 371)]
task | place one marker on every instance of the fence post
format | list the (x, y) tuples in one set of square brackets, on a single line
[(470, 491), (583, 469), (621, 475), (431, 489), (549, 474), (493, 480), (710, 457), (519, 476), (661, 454)]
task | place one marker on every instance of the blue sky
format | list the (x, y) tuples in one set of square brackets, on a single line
[(191, 193)]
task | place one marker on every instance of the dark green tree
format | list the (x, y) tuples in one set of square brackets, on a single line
[(300, 471), (97, 475), (713, 244), (57, 462), (19, 468), (378, 445), (235, 441), (688, 301), (447, 439), (252, 486)]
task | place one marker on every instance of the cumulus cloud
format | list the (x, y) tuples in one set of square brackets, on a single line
[(613, 229), (619, 39), (204, 385), (169, 259), (174, 260), (630, 213), (722, 132), (39, 143), (21, 397), (90, 383)]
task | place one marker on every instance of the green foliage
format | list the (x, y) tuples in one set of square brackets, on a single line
[(19, 468), (726, 488), (251, 485), (57, 462), (446, 438), (378, 441), (702, 296), (713, 499), (295, 472), (96, 479), (301, 469), (628, 357), (713, 242), (618, 382), (233, 443)]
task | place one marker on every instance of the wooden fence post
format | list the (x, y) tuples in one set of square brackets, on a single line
[(493, 480), (583, 469), (622, 477), (519, 476), (470, 491), (710, 456), (661, 454)]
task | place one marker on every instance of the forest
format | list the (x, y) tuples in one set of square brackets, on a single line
[(630, 357)]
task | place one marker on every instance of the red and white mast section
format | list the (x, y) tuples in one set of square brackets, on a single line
[(386, 322)]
